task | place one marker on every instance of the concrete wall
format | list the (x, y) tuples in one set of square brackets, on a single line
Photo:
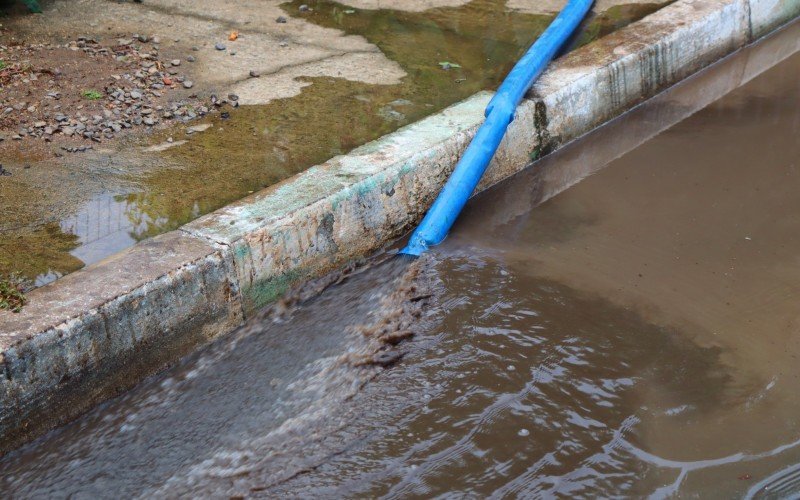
[(99, 331)]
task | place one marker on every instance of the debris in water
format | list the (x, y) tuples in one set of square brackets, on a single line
[(395, 338), (387, 358), (449, 65)]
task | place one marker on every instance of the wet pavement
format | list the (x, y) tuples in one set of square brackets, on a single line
[(633, 335), (346, 76)]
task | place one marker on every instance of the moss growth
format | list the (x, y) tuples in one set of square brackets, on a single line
[(12, 293), (92, 95), (38, 252)]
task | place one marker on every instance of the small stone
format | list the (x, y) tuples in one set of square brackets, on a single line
[(195, 48), (190, 58), (135, 94), (219, 46), (149, 121), (304, 8), (387, 359), (523, 432), (188, 84), (233, 52), (284, 44), (254, 73), (175, 62), (143, 38), (40, 124), (281, 20), (233, 97), (31, 109)]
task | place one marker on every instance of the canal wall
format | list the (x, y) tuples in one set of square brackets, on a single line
[(97, 332)]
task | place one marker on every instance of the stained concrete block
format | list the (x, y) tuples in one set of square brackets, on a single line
[(342, 209), (766, 15), (103, 329)]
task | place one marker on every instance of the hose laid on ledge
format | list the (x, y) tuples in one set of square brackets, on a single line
[(499, 114)]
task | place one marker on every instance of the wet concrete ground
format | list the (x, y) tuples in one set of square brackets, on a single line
[(634, 335), (331, 78)]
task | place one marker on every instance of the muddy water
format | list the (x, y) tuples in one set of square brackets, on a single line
[(56, 220), (634, 335)]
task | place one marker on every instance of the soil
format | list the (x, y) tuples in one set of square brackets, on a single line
[(90, 90)]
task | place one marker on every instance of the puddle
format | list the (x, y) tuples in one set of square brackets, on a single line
[(258, 146)]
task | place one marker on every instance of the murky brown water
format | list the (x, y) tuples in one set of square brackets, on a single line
[(634, 335), (57, 217)]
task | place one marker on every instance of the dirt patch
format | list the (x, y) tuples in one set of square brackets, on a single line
[(88, 90)]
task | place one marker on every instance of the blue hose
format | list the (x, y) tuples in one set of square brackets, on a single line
[(499, 114)]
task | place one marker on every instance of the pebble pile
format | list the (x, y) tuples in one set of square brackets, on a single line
[(131, 99)]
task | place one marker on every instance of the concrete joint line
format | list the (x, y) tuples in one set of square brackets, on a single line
[(100, 330)]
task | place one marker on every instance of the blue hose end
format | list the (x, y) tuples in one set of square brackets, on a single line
[(416, 246), (411, 251)]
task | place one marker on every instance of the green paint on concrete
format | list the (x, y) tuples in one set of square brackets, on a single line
[(267, 291)]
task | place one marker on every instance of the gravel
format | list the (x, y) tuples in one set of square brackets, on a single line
[(129, 100)]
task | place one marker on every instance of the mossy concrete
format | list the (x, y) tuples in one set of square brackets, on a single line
[(84, 338)]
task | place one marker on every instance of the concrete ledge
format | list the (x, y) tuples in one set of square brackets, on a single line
[(96, 332), (100, 331)]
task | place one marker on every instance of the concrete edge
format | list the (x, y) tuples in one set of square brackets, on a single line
[(99, 331)]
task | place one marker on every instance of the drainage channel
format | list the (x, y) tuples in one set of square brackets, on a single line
[(635, 334)]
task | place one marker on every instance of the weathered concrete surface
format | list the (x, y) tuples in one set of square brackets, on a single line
[(103, 329), (344, 208), (766, 15), (280, 52), (145, 307)]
